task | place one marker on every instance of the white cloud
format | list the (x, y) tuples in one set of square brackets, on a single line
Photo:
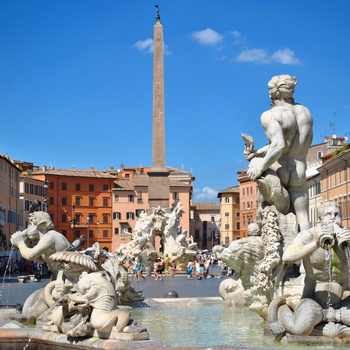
[(205, 194), (147, 46), (285, 56), (144, 45), (207, 36), (237, 37), (253, 55)]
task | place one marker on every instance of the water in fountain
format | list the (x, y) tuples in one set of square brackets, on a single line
[(347, 253), (207, 325), (7, 269), (328, 269)]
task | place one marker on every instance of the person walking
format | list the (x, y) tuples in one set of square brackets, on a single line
[(160, 269), (155, 269), (140, 268)]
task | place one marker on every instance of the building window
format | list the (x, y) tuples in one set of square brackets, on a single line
[(237, 214), (243, 191), (77, 187), (117, 215), (91, 188), (64, 200), (319, 155), (105, 187), (51, 200), (237, 200), (212, 219), (64, 186), (227, 226), (77, 233), (197, 218), (77, 219), (105, 202), (196, 234), (105, 218), (227, 200), (130, 198), (116, 197), (139, 212), (238, 226), (64, 233), (91, 201), (105, 233), (227, 214), (130, 215), (64, 218), (139, 197), (116, 230), (175, 196), (77, 201), (52, 185)]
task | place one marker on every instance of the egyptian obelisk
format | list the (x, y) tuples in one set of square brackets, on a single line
[(158, 188)]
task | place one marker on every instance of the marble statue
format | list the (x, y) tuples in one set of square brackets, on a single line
[(40, 233), (167, 226), (324, 308), (288, 127), (242, 255), (82, 298)]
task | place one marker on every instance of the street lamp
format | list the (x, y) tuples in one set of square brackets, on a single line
[(88, 231), (46, 186)]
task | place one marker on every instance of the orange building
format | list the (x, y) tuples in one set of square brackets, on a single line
[(79, 203), (230, 214), (248, 193)]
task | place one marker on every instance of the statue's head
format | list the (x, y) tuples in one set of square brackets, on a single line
[(282, 87), (330, 212), (41, 220), (253, 229)]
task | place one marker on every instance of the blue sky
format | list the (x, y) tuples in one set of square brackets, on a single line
[(76, 79)]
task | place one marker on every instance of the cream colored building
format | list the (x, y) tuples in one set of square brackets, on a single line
[(206, 225), (9, 200)]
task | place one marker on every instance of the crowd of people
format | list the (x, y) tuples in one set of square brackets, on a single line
[(21, 266), (197, 268)]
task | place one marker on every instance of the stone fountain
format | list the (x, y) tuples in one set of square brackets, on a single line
[(293, 275), (83, 304)]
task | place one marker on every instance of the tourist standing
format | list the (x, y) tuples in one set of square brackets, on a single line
[(133, 269), (189, 269), (166, 264)]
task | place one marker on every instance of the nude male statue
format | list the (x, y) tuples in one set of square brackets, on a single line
[(288, 127), (48, 241)]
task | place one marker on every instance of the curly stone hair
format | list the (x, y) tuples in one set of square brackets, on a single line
[(281, 86)]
